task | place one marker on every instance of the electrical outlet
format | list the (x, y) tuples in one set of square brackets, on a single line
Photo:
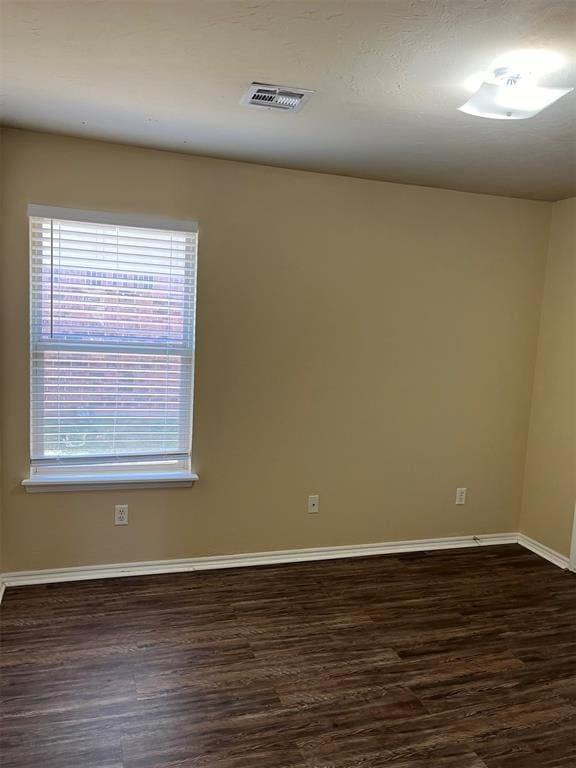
[(313, 504), (460, 496), (121, 514)]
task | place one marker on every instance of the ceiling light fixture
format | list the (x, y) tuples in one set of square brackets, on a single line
[(509, 91)]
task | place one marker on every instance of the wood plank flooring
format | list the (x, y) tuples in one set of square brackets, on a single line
[(459, 659)]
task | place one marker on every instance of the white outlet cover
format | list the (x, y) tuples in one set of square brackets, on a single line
[(461, 495), (313, 504), (121, 514)]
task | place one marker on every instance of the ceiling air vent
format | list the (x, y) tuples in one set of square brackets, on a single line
[(276, 97)]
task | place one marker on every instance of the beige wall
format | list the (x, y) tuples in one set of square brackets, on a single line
[(370, 342), (1, 356), (550, 480)]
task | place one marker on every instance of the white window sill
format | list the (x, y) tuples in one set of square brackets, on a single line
[(101, 482)]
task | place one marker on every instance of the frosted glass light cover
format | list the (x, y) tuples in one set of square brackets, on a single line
[(519, 102)]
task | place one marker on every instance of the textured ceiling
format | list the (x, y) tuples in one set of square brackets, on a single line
[(388, 76)]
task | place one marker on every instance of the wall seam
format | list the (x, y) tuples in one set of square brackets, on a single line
[(535, 367)]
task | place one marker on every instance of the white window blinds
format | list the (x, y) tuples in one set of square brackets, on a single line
[(112, 342)]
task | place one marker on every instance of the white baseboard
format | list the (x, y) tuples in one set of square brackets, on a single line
[(21, 578), (541, 549), (2, 589), (84, 573)]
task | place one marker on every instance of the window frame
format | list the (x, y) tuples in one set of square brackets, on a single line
[(137, 470)]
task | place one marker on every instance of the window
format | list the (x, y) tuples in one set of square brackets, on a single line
[(111, 348)]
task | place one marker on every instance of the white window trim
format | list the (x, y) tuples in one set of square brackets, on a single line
[(117, 219), (100, 480)]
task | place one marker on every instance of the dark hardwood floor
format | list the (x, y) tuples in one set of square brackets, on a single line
[(459, 659)]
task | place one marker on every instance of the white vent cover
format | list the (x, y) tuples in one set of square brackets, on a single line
[(275, 97)]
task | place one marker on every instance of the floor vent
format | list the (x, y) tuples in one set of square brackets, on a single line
[(276, 97)]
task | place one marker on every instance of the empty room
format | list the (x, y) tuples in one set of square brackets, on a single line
[(288, 383)]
